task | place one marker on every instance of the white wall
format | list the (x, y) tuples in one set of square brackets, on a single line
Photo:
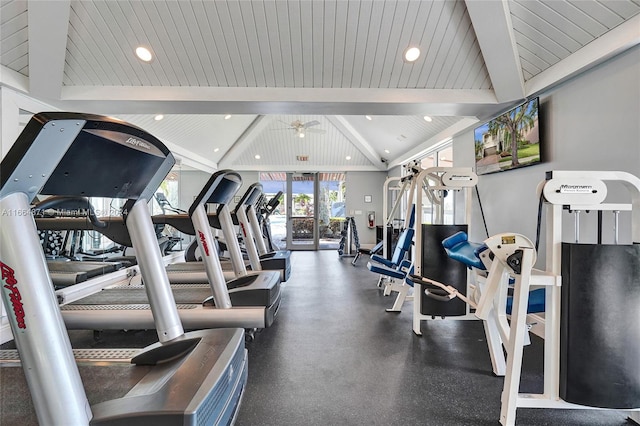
[(248, 179), (358, 185), (591, 122), (191, 183)]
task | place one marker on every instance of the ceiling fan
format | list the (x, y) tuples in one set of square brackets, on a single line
[(301, 128)]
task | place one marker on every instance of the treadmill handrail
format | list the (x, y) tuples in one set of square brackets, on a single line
[(70, 207)]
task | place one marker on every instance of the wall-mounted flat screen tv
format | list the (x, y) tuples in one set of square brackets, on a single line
[(509, 141)]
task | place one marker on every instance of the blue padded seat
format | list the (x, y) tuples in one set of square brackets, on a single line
[(459, 248), (389, 272), (403, 270), (402, 246), (536, 302)]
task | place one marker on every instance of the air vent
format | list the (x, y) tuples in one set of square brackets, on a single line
[(302, 157)]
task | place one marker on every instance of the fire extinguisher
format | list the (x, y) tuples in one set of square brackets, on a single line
[(371, 219)]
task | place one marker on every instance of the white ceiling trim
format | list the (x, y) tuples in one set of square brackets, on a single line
[(14, 80), (619, 39), (303, 168), (265, 100), (492, 24), (48, 29), (188, 158), (357, 140), (244, 141), (429, 144)]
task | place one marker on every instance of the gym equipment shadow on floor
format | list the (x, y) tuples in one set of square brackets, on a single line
[(335, 357)]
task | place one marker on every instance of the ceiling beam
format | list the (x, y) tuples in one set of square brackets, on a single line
[(244, 141), (619, 39), (188, 158), (270, 100), (357, 140), (491, 21), (48, 28)]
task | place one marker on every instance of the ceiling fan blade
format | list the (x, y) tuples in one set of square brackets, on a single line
[(311, 123), (289, 125), (315, 131)]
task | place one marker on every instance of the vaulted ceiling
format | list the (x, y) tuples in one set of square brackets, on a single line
[(230, 76)]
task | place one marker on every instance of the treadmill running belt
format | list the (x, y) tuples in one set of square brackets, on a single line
[(106, 383), (139, 295), (92, 269)]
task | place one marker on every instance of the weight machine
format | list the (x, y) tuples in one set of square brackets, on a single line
[(394, 270), (592, 300), (406, 184), (431, 260)]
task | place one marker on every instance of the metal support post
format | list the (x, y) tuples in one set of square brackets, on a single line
[(36, 323), (161, 300)]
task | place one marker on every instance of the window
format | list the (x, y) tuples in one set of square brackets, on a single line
[(443, 210)]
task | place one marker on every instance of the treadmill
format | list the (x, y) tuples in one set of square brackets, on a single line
[(185, 378), (225, 220), (266, 208), (193, 271), (250, 301), (247, 217), (64, 267)]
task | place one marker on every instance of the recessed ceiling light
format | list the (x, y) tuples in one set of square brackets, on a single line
[(144, 54), (386, 151), (216, 150), (348, 157), (368, 117), (427, 119), (158, 117), (411, 54), (257, 156), (228, 116)]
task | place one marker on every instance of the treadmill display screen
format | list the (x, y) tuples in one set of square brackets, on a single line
[(105, 163), (224, 191)]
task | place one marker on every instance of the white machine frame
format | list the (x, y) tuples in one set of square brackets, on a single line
[(579, 191), (390, 284), (408, 186), (439, 179)]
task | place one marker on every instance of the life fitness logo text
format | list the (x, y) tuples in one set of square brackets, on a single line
[(10, 283), (205, 246), (138, 142)]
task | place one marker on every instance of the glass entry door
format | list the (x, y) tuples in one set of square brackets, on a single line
[(302, 219)]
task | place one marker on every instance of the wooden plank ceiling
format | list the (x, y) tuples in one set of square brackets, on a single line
[(272, 62)]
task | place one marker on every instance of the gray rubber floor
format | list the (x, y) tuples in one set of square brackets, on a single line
[(335, 357)]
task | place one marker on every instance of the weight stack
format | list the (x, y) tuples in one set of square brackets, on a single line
[(600, 325), (438, 266)]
